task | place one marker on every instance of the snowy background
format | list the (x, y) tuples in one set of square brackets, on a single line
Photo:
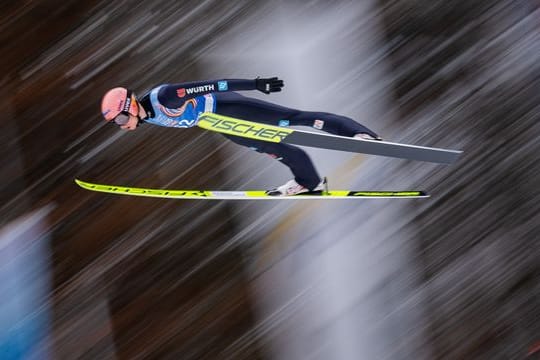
[(94, 276)]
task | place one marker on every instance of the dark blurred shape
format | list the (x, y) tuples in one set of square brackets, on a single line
[(471, 70), (130, 278), (534, 349)]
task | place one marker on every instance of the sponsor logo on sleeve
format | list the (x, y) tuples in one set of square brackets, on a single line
[(182, 92), (222, 86), (283, 123), (200, 89), (318, 124)]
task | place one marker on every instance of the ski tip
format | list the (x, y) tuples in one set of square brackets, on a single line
[(81, 183)]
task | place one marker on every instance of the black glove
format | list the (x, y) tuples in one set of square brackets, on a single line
[(268, 85)]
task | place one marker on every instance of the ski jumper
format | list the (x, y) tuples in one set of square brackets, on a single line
[(179, 105)]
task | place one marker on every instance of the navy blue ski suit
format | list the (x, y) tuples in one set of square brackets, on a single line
[(179, 105)]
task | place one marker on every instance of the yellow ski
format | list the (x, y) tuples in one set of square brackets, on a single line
[(246, 195)]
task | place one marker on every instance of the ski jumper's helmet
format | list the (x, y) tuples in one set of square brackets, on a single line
[(117, 104)]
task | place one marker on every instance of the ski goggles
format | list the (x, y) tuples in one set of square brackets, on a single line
[(123, 117)]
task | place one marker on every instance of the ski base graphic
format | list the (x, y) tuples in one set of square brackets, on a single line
[(247, 195)]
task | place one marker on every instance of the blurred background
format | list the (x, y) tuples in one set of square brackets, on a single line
[(96, 276)]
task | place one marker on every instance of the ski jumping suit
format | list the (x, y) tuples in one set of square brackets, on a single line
[(179, 105)]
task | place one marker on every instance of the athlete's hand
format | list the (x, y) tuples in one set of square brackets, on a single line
[(269, 85)]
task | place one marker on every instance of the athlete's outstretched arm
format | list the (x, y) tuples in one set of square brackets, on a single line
[(174, 95)]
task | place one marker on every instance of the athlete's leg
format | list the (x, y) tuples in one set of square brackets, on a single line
[(295, 158), (236, 105)]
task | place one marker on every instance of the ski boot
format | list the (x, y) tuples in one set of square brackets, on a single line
[(291, 187)]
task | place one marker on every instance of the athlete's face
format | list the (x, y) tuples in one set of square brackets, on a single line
[(133, 120), (131, 124)]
